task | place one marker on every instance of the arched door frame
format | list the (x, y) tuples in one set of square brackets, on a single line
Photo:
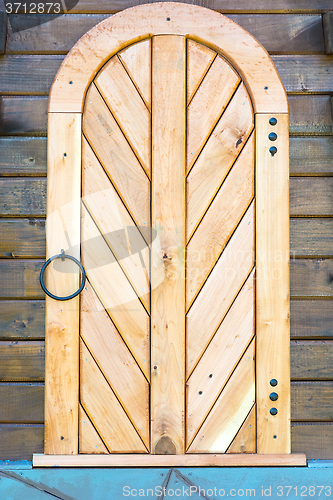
[(269, 100)]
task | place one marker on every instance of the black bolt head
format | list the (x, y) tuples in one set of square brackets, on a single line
[(272, 121), (272, 136), (273, 396), (273, 382), (273, 411)]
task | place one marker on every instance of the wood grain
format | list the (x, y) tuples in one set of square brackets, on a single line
[(137, 61), (311, 196), (199, 59), (22, 156), (272, 284), (23, 196), (89, 440), (311, 155), (23, 115), (314, 73), (311, 401), (316, 440), (311, 319), (168, 259), (22, 403), (22, 238), (311, 237), (20, 279), (246, 438), (311, 360), (310, 115), (19, 442), (22, 319), (311, 278), (22, 361)]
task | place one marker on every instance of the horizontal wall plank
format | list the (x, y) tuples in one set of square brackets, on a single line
[(315, 440), (311, 278), (22, 238), (22, 319), (22, 361), (312, 401), (310, 115), (28, 74), (286, 33), (20, 279), (23, 196), (304, 73), (311, 360), (311, 155), (23, 115), (22, 156), (311, 319), (311, 237), (22, 403), (19, 442), (311, 196)]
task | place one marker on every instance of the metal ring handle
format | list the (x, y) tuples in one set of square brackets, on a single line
[(62, 256)]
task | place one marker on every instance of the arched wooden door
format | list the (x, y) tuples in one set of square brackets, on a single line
[(168, 178)]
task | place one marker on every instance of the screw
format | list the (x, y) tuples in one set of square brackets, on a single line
[(275, 436)]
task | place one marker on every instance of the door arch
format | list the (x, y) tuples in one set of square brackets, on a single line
[(171, 117)]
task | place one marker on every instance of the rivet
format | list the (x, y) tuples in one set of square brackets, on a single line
[(273, 411), (273, 396), (273, 382), (200, 392), (273, 150), (272, 136), (273, 121)]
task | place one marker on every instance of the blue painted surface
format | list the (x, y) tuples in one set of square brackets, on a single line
[(214, 483), (15, 464), (320, 463)]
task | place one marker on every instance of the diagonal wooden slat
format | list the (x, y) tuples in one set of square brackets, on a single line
[(89, 440), (245, 440), (230, 410), (137, 61), (220, 358), (127, 107), (115, 223), (115, 292), (220, 289), (220, 220), (207, 106), (104, 410), (116, 156), (199, 59), (219, 154), (115, 361)]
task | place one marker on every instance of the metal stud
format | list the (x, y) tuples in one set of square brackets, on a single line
[(273, 382), (273, 396), (273, 411), (273, 121), (273, 150), (272, 136)]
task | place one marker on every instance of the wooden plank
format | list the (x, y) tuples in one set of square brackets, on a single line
[(22, 238), (25, 197), (23, 115), (220, 289), (28, 74), (115, 362), (19, 442), (311, 155), (218, 155), (305, 73), (311, 360), (168, 259), (137, 61), (20, 279), (311, 196), (22, 403), (89, 440), (3, 31), (127, 107), (245, 440), (311, 319), (116, 156), (316, 440), (188, 460), (272, 284), (234, 403), (36, 34), (199, 60), (220, 220), (62, 318), (22, 156), (311, 237), (310, 115), (328, 32), (207, 106), (287, 33), (104, 410), (209, 377), (115, 224), (22, 361), (311, 278), (22, 319), (312, 401)]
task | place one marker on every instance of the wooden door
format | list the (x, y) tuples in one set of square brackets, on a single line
[(183, 322)]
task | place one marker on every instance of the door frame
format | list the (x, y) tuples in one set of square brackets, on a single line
[(269, 100)]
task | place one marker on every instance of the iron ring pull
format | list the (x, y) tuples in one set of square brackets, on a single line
[(62, 256)]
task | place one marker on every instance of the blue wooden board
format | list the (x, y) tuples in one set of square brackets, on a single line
[(196, 483)]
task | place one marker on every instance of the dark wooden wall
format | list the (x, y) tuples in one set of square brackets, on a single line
[(292, 31)]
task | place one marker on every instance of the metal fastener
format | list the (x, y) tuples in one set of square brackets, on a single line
[(273, 411), (272, 136), (273, 382), (273, 396), (273, 121)]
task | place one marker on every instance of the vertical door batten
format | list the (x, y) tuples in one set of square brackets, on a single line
[(168, 219)]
